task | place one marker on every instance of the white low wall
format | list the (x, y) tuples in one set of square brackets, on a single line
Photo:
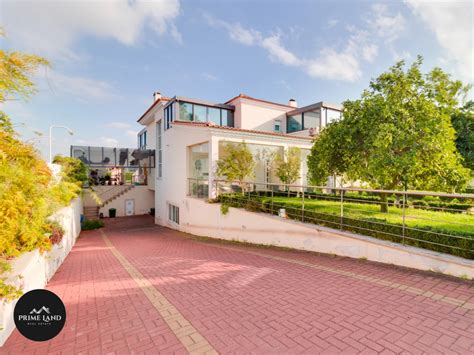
[(201, 218), (37, 269)]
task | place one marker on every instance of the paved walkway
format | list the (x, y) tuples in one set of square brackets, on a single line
[(135, 287)]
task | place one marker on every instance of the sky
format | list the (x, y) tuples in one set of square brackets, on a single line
[(108, 57)]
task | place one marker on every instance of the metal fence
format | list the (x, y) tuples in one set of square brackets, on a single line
[(436, 221), (104, 157)]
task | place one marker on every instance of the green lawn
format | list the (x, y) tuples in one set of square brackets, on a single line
[(457, 223), (445, 232)]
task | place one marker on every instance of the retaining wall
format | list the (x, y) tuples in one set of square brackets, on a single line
[(37, 269)]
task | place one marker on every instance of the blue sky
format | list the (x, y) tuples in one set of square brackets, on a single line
[(109, 56)]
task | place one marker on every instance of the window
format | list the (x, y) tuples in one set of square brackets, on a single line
[(200, 113), (142, 140), (185, 111), (168, 116), (173, 213), (227, 118), (332, 115), (214, 115), (277, 126), (311, 119), (304, 120), (158, 145), (295, 123)]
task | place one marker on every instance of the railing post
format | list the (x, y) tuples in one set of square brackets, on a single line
[(342, 208), (302, 207), (403, 217), (272, 199)]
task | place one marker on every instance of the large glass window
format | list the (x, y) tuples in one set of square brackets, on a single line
[(199, 161), (214, 115), (200, 113), (185, 111), (294, 123), (311, 119)]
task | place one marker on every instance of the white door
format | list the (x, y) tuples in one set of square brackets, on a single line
[(129, 207)]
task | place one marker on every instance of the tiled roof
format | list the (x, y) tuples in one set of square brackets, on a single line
[(163, 98), (225, 128), (243, 96)]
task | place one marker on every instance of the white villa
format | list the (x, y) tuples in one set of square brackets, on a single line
[(187, 136)]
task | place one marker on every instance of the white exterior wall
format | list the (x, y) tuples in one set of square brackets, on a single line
[(259, 116), (172, 187)]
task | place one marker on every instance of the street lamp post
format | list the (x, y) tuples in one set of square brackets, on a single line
[(51, 139)]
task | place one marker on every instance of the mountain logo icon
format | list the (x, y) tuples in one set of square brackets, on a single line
[(40, 310)]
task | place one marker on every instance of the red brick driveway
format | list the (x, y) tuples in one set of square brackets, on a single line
[(139, 288)]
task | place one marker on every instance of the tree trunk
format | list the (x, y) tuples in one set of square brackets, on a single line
[(383, 202)]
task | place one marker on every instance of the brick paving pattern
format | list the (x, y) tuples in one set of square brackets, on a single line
[(242, 299)]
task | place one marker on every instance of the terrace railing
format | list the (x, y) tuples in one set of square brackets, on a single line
[(437, 221)]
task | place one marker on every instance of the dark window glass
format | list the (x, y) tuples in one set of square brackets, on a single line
[(200, 113), (294, 123), (214, 115), (185, 111), (227, 118), (277, 126)]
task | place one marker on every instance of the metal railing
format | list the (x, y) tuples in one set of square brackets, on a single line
[(437, 221)]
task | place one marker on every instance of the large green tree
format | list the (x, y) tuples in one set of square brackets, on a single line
[(463, 123), (398, 135)]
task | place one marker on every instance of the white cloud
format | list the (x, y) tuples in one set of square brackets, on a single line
[(278, 52), (384, 25), (80, 88), (369, 52), (51, 28), (330, 63), (334, 65), (452, 23), (236, 31)]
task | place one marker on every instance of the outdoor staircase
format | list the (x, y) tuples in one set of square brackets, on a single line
[(91, 213), (115, 196)]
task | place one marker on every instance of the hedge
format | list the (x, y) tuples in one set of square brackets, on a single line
[(422, 237)]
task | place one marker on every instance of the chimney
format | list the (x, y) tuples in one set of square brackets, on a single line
[(156, 96), (292, 103)]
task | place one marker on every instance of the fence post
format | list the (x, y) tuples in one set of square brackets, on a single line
[(403, 217), (342, 208), (272, 199), (302, 207)]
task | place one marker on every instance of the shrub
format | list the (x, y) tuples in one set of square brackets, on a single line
[(92, 224), (54, 231)]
